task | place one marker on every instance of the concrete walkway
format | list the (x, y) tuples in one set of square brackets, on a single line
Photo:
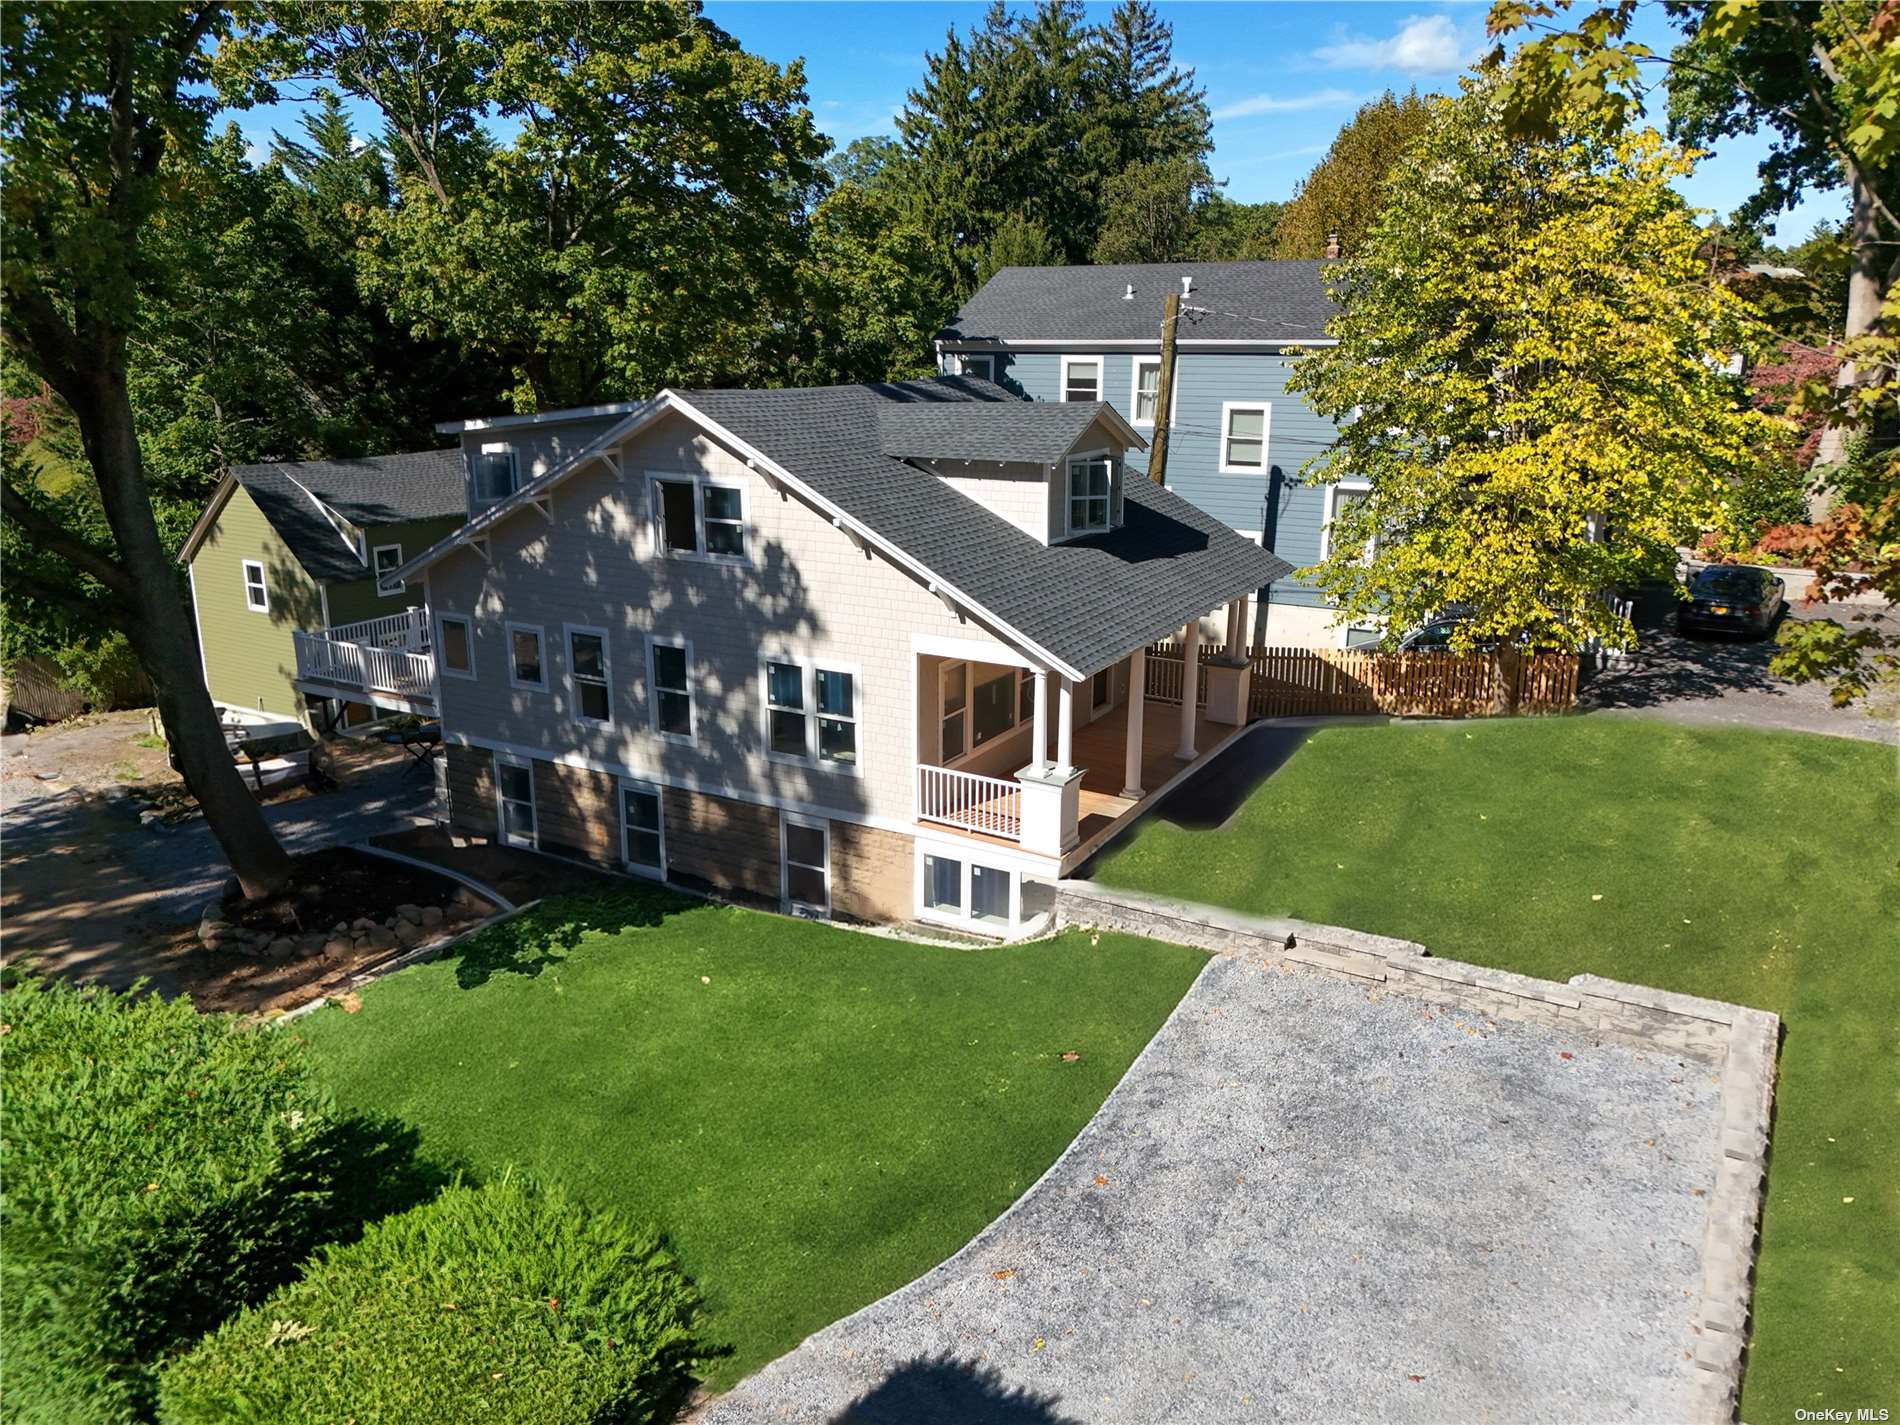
[(1307, 1203)]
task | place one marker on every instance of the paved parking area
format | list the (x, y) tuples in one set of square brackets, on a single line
[(1307, 1203)]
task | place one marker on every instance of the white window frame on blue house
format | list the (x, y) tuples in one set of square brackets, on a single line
[(1227, 412), (1134, 388), (1098, 361), (541, 657), (965, 360)]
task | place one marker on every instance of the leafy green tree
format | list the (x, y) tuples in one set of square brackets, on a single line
[(1346, 191), (1824, 81), (1018, 242), (642, 229), (872, 299), (1528, 374), (97, 98), (1226, 231), (1149, 211)]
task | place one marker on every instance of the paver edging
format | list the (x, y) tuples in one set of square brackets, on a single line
[(1740, 1040)]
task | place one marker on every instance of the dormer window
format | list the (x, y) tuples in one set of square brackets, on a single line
[(1095, 493), (492, 474)]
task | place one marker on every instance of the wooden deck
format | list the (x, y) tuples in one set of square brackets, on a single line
[(1101, 750)]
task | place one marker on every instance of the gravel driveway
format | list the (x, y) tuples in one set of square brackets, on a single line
[(1303, 1203), (1723, 679)]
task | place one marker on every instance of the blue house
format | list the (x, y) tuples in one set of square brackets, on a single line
[(1237, 438)]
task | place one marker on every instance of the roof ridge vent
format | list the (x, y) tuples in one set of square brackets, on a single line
[(1187, 283), (1128, 292)]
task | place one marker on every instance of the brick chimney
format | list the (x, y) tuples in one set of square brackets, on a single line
[(1332, 247)]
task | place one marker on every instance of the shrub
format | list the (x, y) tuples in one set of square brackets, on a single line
[(160, 1169), (501, 1303)]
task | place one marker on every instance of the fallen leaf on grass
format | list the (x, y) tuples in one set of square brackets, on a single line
[(1596, 898), (705, 979), (1070, 1057), (350, 1003), (1847, 1199)]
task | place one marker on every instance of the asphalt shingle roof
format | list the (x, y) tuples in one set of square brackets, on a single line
[(368, 491), (1037, 433), (1088, 601), (1245, 301)]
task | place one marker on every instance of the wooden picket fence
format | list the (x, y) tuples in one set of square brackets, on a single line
[(1314, 682)]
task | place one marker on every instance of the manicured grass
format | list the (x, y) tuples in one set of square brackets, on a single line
[(1746, 866), (813, 1116)]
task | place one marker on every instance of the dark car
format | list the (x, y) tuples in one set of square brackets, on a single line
[(1732, 599), (1435, 634)]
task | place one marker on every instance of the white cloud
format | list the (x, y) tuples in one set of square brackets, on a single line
[(1425, 44), (1284, 103)]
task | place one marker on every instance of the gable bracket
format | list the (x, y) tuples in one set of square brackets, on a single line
[(545, 504), (777, 485), (949, 603), (480, 545), (863, 545)]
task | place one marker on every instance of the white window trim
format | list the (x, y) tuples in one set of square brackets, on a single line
[(1134, 389), (970, 746), (1326, 530), (501, 811), (966, 359), (448, 616), (945, 757), (808, 670), (263, 585), (1070, 530), (787, 820), (637, 868), (1100, 364), (964, 920), (495, 447), (382, 587), (572, 683), (700, 483), (541, 642), (685, 645), (1227, 409)]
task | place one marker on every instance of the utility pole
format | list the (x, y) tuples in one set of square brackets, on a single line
[(1164, 391)]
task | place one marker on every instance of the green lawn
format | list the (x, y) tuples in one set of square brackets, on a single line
[(1747, 866), (813, 1116)]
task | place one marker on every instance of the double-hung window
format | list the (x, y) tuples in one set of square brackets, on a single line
[(1146, 390), (387, 559), (526, 668), (587, 670), (1081, 378), (256, 592), (981, 364), (698, 518), (1340, 498), (642, 828), (953, 889), (455, 646), (669, 681), (491, 473), (952, 707), (811, 713), (1092, 493), (993, 706), (1243, 444), (514, 790)]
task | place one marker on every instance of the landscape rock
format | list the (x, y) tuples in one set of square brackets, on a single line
[(466, 902), (410, 913), (381, 938), (282, 948), (336, 947), (311, 944), (409, 934), (363, 924), (214, 930), (342, 927), (431, 916)]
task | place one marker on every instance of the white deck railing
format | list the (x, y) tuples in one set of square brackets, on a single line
[(328, 659), (986, 804), (408, 630)]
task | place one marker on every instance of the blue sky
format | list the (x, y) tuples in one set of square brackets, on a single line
[(1281, 76)]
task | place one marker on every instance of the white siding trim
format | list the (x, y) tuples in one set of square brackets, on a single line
[(937, 646)]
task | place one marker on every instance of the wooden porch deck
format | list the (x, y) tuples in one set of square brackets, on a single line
[(1101, 749)]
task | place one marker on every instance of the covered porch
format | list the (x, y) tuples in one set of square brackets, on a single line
[(1077, 760)]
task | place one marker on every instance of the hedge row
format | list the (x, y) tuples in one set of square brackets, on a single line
[(502, 1304)]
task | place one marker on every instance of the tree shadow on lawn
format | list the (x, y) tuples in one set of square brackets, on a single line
[(548, 934), (941, 1390)]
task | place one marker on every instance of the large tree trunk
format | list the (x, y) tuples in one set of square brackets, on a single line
[(161, 636), (1867, 279)]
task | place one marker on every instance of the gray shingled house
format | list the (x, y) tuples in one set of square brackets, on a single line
[(284, 564), (868, 651)]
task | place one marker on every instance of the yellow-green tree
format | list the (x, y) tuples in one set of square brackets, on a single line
[(1534, 376), (1345, 192)]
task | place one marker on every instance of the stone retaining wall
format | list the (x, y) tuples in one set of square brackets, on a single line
[(1740, 1040)]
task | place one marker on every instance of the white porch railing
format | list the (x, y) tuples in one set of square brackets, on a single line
[(328, 659), (1166, 673), (408, 630), (987, 804)]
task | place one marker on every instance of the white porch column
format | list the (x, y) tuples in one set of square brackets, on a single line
[(1137, 703), (1190, 687), (1039, 754), (1236, 629), (1065, 729)]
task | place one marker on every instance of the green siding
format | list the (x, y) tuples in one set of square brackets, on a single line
[(358, 599), (248, 658)]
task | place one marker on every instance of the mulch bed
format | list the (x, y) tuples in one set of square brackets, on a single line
[(349, 912)]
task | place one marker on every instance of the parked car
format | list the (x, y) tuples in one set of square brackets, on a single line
[(1734, 599), (1435, 634)]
